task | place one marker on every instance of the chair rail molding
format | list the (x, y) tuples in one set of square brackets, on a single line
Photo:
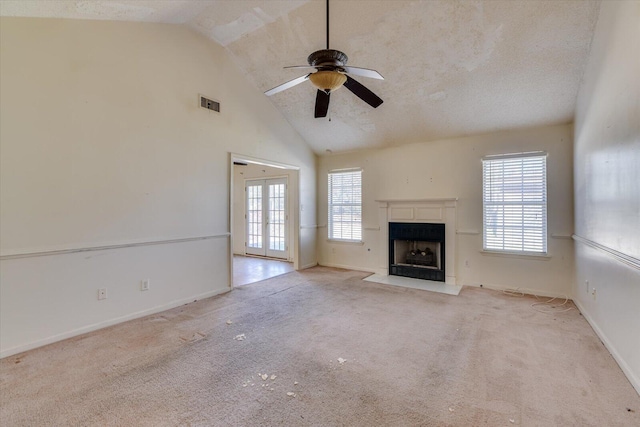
[(619, 256), (37, 253)]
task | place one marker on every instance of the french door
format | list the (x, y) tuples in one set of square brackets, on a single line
[(266, 218)]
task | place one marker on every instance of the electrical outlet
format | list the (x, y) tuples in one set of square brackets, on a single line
[(144, 285), (102, 293), (466, 263)]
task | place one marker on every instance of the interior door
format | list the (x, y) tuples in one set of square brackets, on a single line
[(255, 218), (266, 218)]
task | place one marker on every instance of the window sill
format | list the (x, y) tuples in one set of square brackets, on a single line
[(524, 255), (346, 242)]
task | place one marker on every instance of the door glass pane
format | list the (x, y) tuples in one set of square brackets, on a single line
[(276, 217), (254, 216)]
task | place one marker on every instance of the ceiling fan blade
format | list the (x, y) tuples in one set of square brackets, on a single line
[(322, 104), (287, 85), (299, 66), (363, 72), (362, 92)]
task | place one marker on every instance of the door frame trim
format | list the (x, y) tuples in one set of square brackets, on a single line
[(293, 196)]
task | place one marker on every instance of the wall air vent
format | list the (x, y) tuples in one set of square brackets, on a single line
[(209, 104)]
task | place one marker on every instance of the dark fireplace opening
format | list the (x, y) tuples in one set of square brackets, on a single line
[(417, 250)]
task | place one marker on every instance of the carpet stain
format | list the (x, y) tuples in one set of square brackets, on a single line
[(196, 336)]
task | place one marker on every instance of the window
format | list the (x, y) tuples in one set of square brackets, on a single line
[(345, 205), (515, 203)]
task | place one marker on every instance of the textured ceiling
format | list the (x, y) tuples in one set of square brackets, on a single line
[(451, 68)]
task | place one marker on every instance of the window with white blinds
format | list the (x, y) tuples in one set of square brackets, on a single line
[(345, 205), (515, 203)]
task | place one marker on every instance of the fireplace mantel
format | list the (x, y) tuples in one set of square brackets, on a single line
[(444, 200), (428, 210)]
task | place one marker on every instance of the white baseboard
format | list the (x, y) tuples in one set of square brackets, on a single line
[(304, 267), (348, 267), (633, 379), (528, 291), (100, 325)]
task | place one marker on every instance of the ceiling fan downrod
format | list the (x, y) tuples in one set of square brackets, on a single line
[(327, 59), (327, 24)]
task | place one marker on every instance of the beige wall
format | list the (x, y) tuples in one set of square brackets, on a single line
[(453, 168), (607, 185), (103, 143)]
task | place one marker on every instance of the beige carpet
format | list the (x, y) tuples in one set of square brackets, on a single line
[(410, 358)]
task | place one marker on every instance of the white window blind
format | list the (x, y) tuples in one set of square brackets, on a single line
[(515, 203), (345, 205)]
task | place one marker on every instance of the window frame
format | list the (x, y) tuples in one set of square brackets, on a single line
[(537, 202), (331, 203)]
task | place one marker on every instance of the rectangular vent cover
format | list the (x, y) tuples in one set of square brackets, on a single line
[(209, 104)]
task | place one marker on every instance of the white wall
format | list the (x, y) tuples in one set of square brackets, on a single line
[(103, 143), (254, 171), (453, 168), (607, 185)]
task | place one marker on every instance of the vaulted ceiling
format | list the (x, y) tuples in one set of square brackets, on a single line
[(451, 67)]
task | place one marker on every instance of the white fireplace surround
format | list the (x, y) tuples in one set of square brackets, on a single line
[(439, 211)]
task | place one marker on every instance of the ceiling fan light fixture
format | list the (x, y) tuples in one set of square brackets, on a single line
[(327, 81)]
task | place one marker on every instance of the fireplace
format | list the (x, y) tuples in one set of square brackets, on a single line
[(417, 250)]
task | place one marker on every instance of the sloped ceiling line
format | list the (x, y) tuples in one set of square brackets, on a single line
[(452, 67)]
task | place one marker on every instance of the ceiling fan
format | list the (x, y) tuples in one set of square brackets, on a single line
[(331, 73)]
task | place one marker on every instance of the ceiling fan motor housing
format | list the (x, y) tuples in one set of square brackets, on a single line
[(327, 57)]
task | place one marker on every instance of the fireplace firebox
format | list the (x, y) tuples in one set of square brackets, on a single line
[(417, 250)]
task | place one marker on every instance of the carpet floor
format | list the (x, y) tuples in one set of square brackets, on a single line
[(334, 351)]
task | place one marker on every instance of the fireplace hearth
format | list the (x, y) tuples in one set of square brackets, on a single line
[(417, 250)]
